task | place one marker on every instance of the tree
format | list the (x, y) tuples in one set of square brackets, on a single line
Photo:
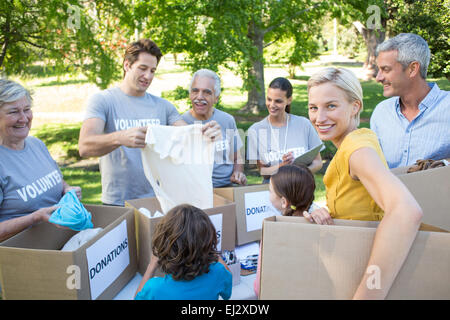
[(378, 18), (287, 52), (233, 33), (369, 18), (67, 35), (431, 20)]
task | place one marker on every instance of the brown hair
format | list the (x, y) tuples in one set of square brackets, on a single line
[(297, 185), (284, 85), (185, 242), (143, 45)]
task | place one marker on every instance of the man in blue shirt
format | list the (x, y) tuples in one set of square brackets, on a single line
[(414, 123)]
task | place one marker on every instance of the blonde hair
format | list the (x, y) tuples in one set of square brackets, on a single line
[(345, 80)]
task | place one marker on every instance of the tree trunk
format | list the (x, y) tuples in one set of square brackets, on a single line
[(3, 53), (256, 99), (372, 38), (6, 40)]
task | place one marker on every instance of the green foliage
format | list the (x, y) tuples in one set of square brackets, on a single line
[(288, 53), (428, 18), (233, 33), (63, 35), (350, 43), (431, 20), (179, 93)]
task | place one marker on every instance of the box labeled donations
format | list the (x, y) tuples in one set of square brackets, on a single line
[(252, 207), (32, 266), (222, 216)]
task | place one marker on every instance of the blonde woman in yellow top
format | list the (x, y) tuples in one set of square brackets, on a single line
[(358, 182)]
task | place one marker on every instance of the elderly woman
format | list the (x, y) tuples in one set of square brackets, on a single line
[(31, 183), (358, 182)]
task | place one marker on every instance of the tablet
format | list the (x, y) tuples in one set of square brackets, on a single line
[(308, 157)]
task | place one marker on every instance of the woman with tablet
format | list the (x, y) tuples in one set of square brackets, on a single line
[(281, 137)]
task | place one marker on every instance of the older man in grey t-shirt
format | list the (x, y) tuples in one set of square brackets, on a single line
[(116, 121), (204, 93)]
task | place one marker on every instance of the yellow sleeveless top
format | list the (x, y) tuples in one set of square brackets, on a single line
[(348, 198)]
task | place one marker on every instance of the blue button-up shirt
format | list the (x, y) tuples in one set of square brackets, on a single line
[(427, 136)]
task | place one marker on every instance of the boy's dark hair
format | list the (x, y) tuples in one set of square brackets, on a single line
[(143, 45), (297, 185), (284, 85), (185, 242)]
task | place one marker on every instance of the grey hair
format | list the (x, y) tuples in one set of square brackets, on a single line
[(342, 78), (410, 47), (11, 91), (210, 74)]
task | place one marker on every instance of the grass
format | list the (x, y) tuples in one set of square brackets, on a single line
[(89, 181), (60, 139)]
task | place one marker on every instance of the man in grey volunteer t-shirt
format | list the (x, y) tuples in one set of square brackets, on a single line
[(116, 121), (204, 93)]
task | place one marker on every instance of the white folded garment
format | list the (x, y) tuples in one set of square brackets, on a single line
[(148, 214), (145, 212), (178, 162), (80, 238)]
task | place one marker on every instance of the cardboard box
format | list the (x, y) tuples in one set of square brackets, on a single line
[(235, 269), (33, 267), (252, 207), (431, 189), (301, 260), (222, 215)]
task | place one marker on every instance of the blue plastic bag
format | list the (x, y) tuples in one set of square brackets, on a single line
[(71, 213)]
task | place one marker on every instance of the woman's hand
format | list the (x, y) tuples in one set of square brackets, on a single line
[(67, 188), (287, 159), (319, 216), (43, 214)]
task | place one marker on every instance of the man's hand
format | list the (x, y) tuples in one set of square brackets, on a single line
[(133, 137), (212, 130), (238, 177)]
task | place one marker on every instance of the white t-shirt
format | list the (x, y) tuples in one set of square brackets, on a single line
[(178, 162), (268, 144), (225, 148)]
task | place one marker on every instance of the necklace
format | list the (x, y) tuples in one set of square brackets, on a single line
[(285, 136)]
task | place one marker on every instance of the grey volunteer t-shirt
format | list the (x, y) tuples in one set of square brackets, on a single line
[(270, 144), (121, 170), (29, 180), (225, 148)]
